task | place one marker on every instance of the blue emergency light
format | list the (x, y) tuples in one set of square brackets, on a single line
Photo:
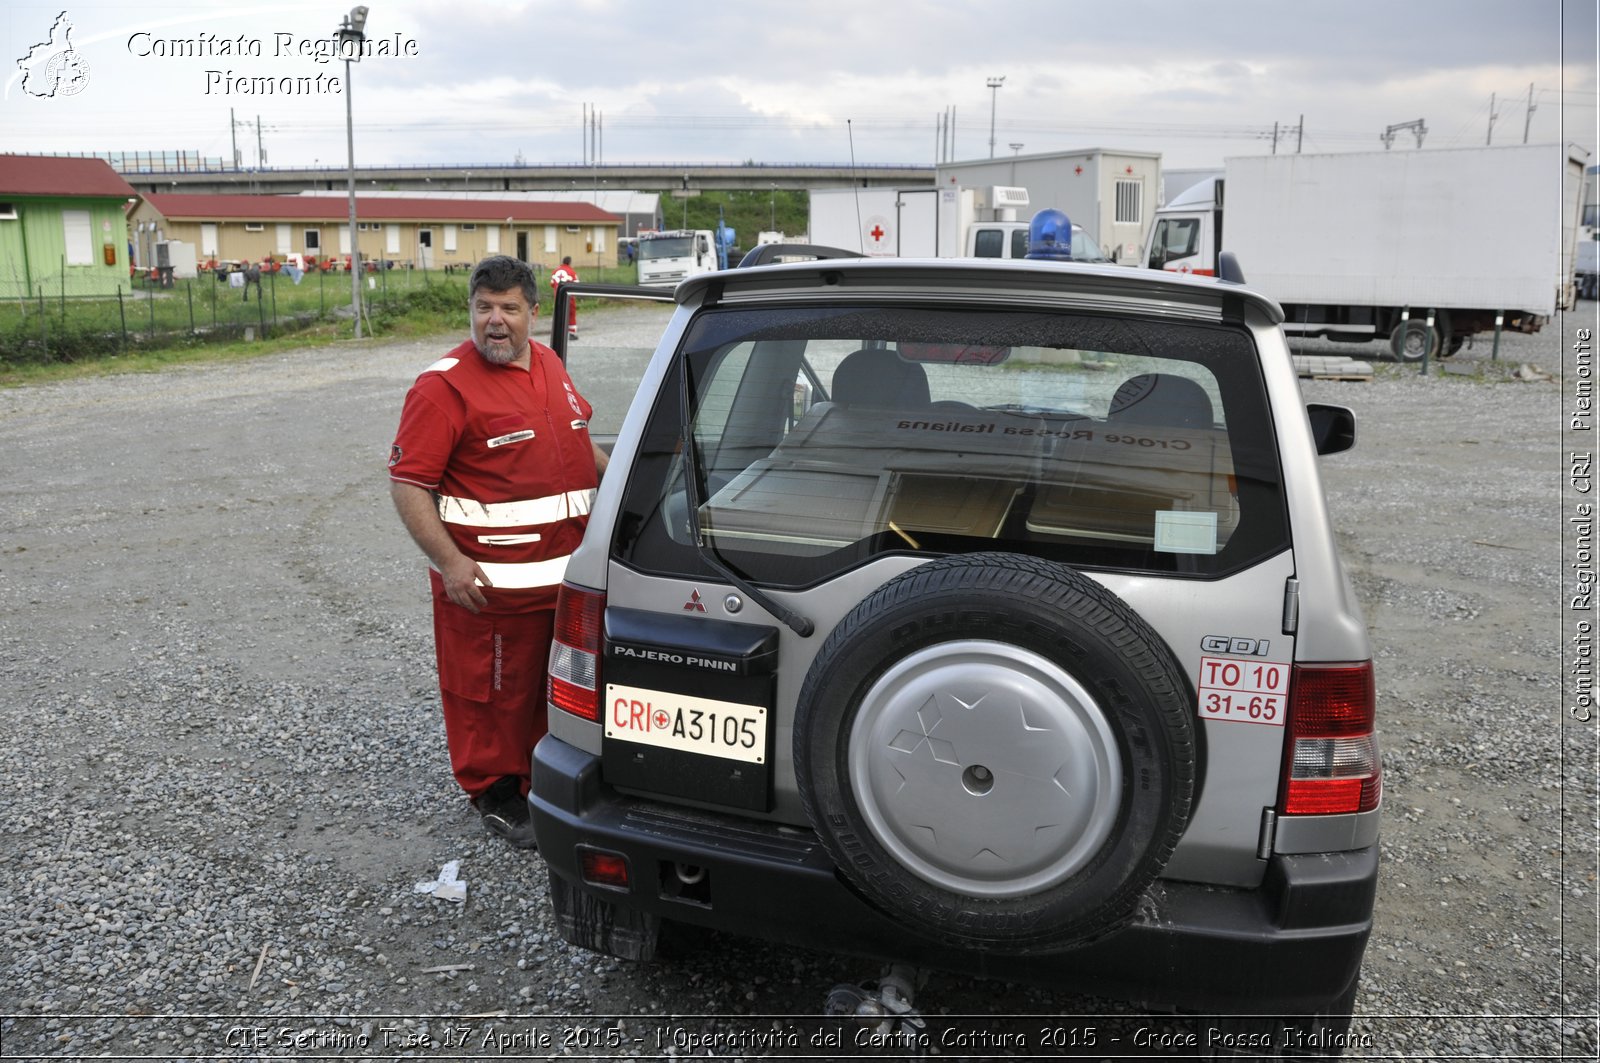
[(1050, 236)]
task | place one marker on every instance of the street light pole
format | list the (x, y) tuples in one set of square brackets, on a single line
[(994, 98), (351, 37)]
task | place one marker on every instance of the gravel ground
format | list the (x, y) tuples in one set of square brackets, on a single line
[(225, 769)]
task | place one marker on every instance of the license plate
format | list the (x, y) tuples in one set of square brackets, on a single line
[(1244, 691), (683, 722)]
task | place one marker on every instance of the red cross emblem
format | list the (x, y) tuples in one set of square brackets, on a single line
[(1078, 170), (876, 233), (661, 719)]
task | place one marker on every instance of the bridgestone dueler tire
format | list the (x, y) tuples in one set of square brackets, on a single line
[(997, 752)]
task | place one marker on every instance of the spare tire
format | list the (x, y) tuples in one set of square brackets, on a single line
[(997, 752)]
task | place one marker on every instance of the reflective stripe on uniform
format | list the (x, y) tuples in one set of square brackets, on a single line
[(521, 514), (523, 576), (510, 540)]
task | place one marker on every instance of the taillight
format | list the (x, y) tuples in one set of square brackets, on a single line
[(601, 867), (574, 676), (1331, 764)]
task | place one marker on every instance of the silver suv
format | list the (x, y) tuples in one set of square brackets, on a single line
[(990, 608)]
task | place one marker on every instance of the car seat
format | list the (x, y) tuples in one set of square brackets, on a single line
[(1161, 399), (877, 376)]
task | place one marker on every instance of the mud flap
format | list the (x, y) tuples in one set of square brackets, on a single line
[(594, 923)]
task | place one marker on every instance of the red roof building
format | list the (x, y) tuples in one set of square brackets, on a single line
[(424, 232), (53, 175), (63, 226)]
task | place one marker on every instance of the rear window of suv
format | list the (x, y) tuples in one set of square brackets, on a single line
[(825, 437)]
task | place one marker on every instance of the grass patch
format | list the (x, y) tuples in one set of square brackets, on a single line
[(22, 374), (62, 337), (423, 312)]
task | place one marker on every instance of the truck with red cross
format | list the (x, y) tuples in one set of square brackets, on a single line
[(931, 222)]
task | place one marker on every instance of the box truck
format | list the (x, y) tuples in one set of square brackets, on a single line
[(1422, 248), (929, 222), (668, 256)]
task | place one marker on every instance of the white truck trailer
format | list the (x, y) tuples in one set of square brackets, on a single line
[(1423, 248), (930, 222)]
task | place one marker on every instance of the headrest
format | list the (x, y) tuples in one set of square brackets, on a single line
[(1161, 398), (880, 377)]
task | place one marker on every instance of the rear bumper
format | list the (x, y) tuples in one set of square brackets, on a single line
[(1290, 946)]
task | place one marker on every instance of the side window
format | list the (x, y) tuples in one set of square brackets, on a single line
[(718, 394), (989, 243), (78, 237), (750, 397), (1019, 243), (1130, 202), (1175, 238)]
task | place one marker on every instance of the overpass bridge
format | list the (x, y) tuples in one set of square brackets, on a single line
[(671, 179)]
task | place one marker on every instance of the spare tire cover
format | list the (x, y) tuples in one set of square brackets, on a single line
[(997, 752)]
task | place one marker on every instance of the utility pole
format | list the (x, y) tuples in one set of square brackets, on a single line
[(1278, 133), (233, 131), (1488, 140), (591, 134), (1528, 122), (352, 35), (1419, 127), (994, 98)]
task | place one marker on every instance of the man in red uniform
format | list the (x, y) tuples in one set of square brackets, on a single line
[(565, 274), (492, 472)]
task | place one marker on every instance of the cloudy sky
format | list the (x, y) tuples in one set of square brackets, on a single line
[(777, 81)]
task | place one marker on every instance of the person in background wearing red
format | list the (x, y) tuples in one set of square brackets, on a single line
[(565, 274), (493, 473)]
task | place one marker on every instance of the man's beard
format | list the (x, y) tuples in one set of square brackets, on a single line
[(504, 356)]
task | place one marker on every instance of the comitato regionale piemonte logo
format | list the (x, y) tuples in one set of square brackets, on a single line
[(53, 67)]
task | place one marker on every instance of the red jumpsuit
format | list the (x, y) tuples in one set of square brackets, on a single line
[(566, 274), (506, 452)]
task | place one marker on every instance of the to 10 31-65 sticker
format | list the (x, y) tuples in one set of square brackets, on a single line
[(1244, 691)]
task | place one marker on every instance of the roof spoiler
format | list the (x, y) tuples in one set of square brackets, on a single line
[(767, 254)]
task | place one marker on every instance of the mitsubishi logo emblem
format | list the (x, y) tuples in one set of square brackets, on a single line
[(694, 605)]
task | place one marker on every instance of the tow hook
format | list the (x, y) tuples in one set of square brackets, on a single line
[(883, 1010)]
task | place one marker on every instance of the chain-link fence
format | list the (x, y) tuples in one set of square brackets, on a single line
[(63, 319)]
